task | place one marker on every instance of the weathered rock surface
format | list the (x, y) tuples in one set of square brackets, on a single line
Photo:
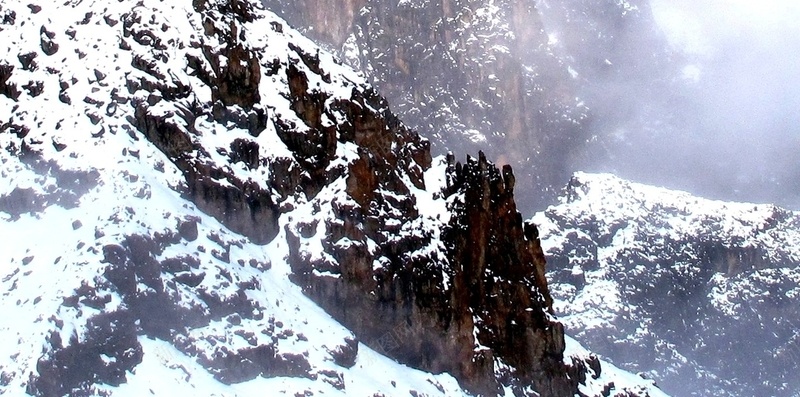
[(484, 302)]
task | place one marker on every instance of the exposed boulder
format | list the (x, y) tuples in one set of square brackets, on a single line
[(48, 44), (109, 349), (10, 90)]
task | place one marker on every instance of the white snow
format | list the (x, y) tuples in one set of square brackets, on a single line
[(623, 381)]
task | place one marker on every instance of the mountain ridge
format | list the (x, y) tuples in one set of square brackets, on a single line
[(670, 284)]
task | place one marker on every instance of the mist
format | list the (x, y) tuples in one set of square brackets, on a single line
[(726, 125)]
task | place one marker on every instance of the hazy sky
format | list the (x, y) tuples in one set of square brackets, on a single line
[(699, 25), (743, 65)]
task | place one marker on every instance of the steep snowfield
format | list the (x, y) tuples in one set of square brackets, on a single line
[(696, 293), (112, 280), (48, 260)]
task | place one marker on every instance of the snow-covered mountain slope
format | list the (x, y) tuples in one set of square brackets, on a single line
[(200, 201), (698, 294)]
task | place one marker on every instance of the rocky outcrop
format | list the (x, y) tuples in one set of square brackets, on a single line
[(235, 69), (109, 350), (485, 302), (500, 281), (244, 206)]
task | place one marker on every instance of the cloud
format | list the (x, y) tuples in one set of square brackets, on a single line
[(738, 135), (697, 25)]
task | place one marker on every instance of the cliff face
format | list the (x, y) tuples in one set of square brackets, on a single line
[(201, 156), (502, 277), (473, 301), (332, 20)]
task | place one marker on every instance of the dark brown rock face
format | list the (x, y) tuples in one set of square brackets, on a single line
[(235, 82), (111, 334), (502, 278), (485, 302), (316, 146), (327, 29)]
